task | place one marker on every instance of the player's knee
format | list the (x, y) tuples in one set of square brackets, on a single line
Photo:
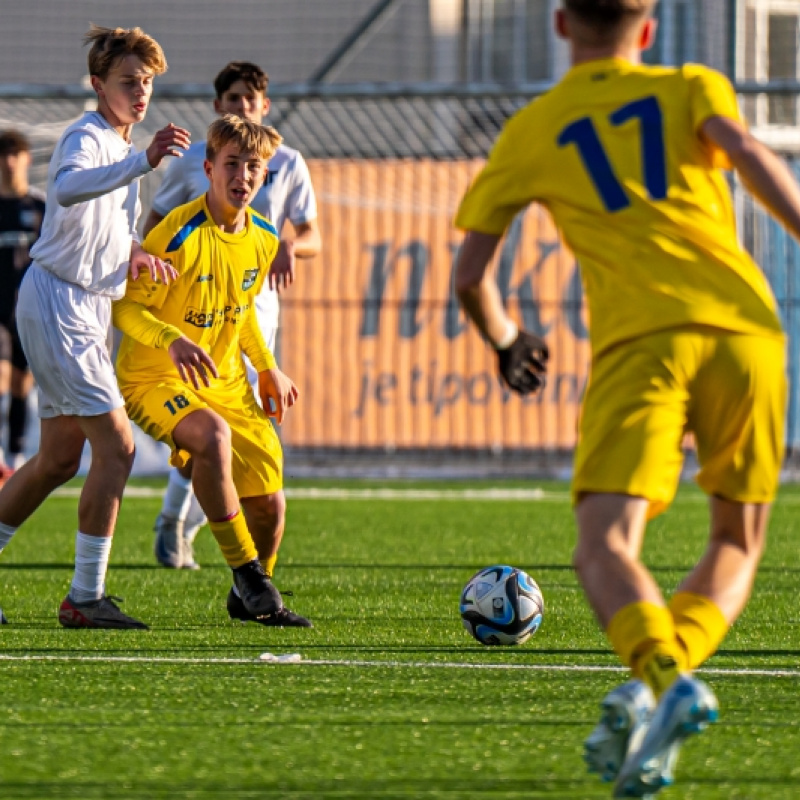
[(215, 445), (748, 539), (580, 558), (58, 468), (275, 506)]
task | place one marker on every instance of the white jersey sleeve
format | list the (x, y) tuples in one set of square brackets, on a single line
[(301, 202), (89, 222), (78, 178)]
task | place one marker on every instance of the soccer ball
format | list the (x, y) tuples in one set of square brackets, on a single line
[(501, 605)]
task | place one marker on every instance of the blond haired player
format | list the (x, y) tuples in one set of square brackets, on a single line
[(80, 264), (202, 324), (285, 194), (684, 336)]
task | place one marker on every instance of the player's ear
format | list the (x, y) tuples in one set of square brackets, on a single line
[(560, 22), (648, 35), (217, 105), (207, 168), (267, 104), (97, 84)]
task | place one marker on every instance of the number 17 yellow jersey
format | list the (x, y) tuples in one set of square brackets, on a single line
[(614, 152)]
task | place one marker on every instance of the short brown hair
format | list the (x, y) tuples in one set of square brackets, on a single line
[(111, 44), (250, 73), (250, 137), (13, 142), (608, 14)]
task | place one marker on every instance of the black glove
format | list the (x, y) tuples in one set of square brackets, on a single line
[(523, 364)]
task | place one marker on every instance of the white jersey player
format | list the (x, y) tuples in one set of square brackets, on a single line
[(287, 194), (80, 264)]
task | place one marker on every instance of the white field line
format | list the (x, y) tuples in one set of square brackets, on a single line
[(326, 662), (534, 494), (334, 493)]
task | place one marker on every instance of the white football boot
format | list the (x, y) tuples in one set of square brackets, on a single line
[(626, 712), (687, 707)]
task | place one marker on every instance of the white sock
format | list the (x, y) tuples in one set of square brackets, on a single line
[(178, 496), (91, 563), (6, 532), (195, 519)]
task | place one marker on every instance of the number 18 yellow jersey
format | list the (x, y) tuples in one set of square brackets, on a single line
[(614, 152)]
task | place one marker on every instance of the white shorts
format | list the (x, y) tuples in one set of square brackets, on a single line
[(66, 335)]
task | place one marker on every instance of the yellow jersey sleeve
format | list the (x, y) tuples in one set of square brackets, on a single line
[(145, 290), (711, 95), (254, 346), (498, 192)]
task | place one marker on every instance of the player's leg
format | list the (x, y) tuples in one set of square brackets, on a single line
[(627, 468), (629, 605), (5, 385), (169, 545), (738, 417), (266, 518), (205, 435), (65, 332), (21, 385), (716, 591), (737, 414), (59, 457), (111, 440), (621, 591), (257, 469)]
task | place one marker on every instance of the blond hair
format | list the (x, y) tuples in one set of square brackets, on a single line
[(248, 136), (108, 45), (609, 16)]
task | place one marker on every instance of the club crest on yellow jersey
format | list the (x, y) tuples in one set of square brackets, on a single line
[(250, 278)]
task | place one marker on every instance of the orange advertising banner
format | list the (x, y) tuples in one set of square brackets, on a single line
[(375, 340)]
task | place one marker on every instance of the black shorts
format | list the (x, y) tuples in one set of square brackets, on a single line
[(10, 345)]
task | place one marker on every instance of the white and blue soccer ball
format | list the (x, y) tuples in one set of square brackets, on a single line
[(501, 605)]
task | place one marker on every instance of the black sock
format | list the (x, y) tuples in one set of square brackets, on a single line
[(17, 420)]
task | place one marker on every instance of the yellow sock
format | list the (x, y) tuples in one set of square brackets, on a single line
[(269, 564), (643, 635), (234, 540), (699, 625)]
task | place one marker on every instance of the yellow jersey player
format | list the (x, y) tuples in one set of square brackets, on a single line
[(206, 411), (684, 337)]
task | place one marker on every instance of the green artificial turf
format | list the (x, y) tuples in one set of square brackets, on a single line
[(407, 706)]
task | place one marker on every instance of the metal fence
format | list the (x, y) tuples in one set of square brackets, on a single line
[(392, 379)]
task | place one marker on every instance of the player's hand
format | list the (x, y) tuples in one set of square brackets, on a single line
[(523, 364), (281, 273), (280, 389), (160, 271), (193, 363), (169, 141)]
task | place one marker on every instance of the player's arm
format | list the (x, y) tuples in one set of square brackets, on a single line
[(142, 261), (79, 178), (273, 384), (522, 356), (764, 174), (194, 365), (306, 243), (301, 210)]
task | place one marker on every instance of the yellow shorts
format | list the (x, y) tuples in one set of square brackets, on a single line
[(257, 454), (728, 389)]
